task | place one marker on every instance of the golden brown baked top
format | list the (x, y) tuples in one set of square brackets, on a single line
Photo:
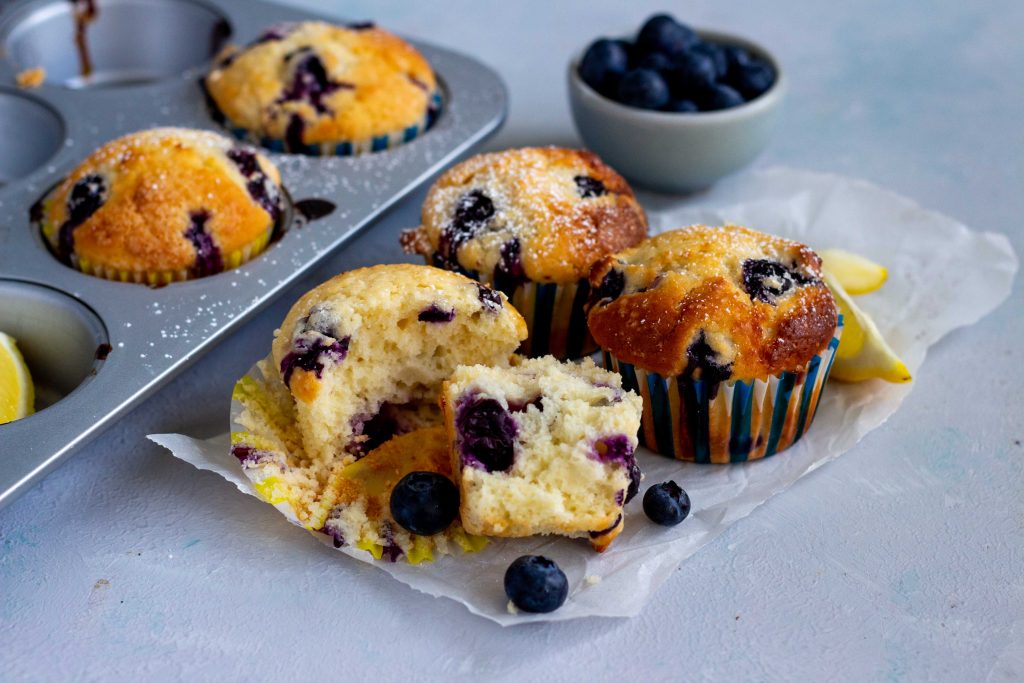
[(713, 303), (332, 83), (545, 214), (165, 199)]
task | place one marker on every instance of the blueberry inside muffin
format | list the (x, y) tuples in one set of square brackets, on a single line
[(542, 447), (364, 354)]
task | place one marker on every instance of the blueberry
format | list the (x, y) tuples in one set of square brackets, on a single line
[(692, 73), (643, 88), (474, 207), (721, 97), (656, 61), (614, 449), (310, 81), (508, 272), (490, 299), (208, 257), (535, 584), (735, 57), (634, 482), (472, 211), (753, 78), (717, 55), (607, 530), (766, 280), (682, 106), (603, 63), (311, 356), (435, 314), (85, 198), (373, 431), (293, 133), (611, 287), (261, 188), (588, 187), (424, 503), (666, 504), (700, 355), (662, 33), (486, 434)]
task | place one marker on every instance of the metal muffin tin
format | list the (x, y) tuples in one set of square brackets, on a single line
[(97, 348)]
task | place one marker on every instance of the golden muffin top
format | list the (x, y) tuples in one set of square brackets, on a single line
[(544, 214), (713, 303), (314, 82), (165, 199)]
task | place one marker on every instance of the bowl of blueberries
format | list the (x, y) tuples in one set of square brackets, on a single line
[(675, 109)]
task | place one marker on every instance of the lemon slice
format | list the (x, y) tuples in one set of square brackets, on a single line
[(868, 356), (17, 395), (855, 273)]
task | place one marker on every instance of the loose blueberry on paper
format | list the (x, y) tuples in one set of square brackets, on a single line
[(666, 504), (424, 503), (670, 68), (536, 584)]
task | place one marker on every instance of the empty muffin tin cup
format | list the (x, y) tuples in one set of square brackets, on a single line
[(125, 42), (32, 133), (64, 343)]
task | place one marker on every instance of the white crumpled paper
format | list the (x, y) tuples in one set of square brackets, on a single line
[(941, 276)]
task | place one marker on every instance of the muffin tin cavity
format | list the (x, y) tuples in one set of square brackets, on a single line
[(64, 343), (123, 42), (32, 133)]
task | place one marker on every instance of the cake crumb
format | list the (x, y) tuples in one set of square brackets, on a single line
[(592, 580), (512, 609), (31, 78)]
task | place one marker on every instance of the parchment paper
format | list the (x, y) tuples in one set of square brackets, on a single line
[(942, 276)]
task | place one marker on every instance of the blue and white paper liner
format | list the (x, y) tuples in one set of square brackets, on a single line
[(377, 143), (730, 422), (555, 315)]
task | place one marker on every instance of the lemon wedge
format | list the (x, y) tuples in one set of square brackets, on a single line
[(855, 273), (17, 395), (866, 354)]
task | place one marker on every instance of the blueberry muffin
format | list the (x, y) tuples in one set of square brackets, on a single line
[(728, 333), (543, 447), (348, 503), (364, 354), (361, 515), (163, 205), (317, 88), (531, 222)]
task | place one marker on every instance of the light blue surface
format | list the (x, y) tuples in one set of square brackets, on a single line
[(903, 560)]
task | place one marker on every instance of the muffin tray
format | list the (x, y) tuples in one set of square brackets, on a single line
[(97, 348)]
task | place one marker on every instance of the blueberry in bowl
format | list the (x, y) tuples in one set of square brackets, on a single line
[(673, 108)]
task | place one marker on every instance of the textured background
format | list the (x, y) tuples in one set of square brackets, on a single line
[(903, 560)]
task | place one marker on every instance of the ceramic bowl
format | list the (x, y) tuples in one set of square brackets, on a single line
[(677, 152)]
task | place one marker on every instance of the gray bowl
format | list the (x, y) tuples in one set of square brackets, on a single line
[(677, 152)]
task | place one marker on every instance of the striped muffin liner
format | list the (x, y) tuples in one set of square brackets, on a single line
[(555, 317), (735, 421), (377, 143)]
